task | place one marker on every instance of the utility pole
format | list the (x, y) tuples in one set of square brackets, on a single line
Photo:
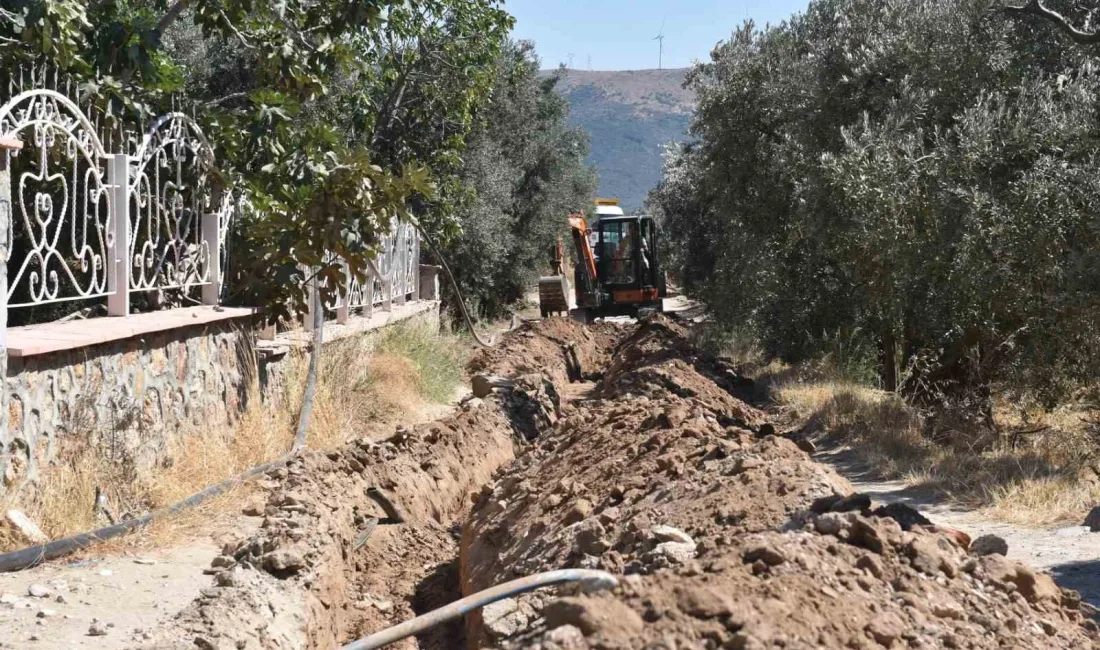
[(570, 61)]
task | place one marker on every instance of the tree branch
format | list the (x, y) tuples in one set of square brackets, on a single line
[(227, 98), (236, 32), (171, 15), (389, 108), (1036, 8)]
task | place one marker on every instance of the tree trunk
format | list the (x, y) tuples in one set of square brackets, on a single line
[(314, 363), (889, 373)]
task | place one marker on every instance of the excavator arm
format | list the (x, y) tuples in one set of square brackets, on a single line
[(554, 289), (585, 257)]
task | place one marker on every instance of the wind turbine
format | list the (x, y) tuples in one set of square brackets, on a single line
[(660, 38)]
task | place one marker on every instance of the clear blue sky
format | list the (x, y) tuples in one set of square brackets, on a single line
[(618, 34)]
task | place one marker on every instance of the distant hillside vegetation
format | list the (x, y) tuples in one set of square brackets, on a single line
[(631, 115)]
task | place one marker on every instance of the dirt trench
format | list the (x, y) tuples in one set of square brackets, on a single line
[(311, 577), (726, 534)]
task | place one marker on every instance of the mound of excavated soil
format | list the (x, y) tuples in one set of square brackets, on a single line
[(559, 348), (304, 580), (311, 578), (726, 535)]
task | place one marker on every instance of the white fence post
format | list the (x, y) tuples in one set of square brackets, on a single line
[(368, 292), (387, 276), (118, 268), (416, 264), (342, 310), (312, 289), (6, 147), (404, 268), (211, 237)]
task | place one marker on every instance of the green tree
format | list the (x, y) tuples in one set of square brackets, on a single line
[(920, 175), (523, 173), (300, 99)]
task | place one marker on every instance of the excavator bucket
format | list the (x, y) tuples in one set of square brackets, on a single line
[(553, 295)]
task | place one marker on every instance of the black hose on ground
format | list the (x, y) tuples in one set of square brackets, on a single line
[(454, 285), (35, 555)]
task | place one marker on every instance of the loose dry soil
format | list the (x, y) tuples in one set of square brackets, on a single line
[(1071, 554), (620, 448), (730, 536)]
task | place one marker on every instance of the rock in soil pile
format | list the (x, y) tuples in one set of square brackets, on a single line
[(728, 535), (312, 577)]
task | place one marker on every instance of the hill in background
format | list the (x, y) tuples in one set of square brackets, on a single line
[(630, 115)]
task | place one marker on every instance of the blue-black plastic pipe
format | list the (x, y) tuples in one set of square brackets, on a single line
[(590, 581), (35, 555)]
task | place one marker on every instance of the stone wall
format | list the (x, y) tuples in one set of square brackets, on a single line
[(130, 396), (126, 394)]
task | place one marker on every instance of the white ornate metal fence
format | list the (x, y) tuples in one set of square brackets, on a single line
[(178, 220), (84, 220), (392, 278), (87, 212), (60, 201)]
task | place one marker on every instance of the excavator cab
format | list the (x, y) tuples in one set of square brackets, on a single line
[(629, 264)]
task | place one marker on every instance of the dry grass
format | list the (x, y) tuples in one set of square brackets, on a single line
[(1035, 480), (365, 386)]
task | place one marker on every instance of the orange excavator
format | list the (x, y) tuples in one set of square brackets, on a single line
[(618, 270)]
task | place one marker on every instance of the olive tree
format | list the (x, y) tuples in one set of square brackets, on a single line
[(920, 176)]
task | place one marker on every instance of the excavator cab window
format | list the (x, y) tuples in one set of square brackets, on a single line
[(618, 243)]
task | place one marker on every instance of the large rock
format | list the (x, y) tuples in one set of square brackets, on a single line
[(885, 628), (607, 616), (1035, 587), (766, 553), (591, 538), (503, 618), (676, 552), (283, 561), (931, 555), (989, 545), (906, 516), (565, 637), (856, 502), (704, 602), (664, 533), (482, 385)]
